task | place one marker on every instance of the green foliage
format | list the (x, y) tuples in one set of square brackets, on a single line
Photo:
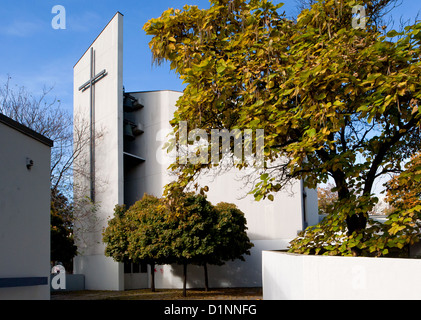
[(148, 230), (314, 85), (404, 195), (63, 248), (331, 235), (204, 233), (115, 236), (232, 241), (193, 239), (183, 228), (401, 228)]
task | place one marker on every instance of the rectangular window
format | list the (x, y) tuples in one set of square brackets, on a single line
[(143, 267), (127, 267)]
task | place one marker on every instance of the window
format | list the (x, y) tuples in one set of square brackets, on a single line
[(127, 267), (135, 267)]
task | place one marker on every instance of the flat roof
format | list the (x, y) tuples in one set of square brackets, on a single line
[(25, 130), (155, 91)]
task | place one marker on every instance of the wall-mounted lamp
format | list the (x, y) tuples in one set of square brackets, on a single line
[(29, 163)]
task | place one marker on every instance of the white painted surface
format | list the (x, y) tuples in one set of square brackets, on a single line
[(108, 154), (24, 213), (300, 277), (101, 272)]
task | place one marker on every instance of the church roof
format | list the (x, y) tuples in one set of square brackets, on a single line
[(25, 130)]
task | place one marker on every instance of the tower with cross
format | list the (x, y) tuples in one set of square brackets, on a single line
[(90, 84), (98, 168)]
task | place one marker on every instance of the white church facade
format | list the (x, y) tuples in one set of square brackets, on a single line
[(126, 160)]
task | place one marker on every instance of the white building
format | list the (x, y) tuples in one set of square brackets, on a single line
[(127, 161), (24, 212)]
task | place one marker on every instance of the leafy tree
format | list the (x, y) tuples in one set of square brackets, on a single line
[(232, 239), (192, 235), (182, 228), (335, 101), (139, 234), (393, 237), (403, 225), (206, 234), (149, 233), (115, 235), (62, 243)]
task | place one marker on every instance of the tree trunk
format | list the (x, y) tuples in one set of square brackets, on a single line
[(184, 279), (205, 267), (355, 222), (153, 277)]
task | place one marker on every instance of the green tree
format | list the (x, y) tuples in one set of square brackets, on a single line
[(205, 234), (149, 236), (192, 234), (115, 235), (139, 234), (403, 225), (63, 248), (335, 101), (182, 228)]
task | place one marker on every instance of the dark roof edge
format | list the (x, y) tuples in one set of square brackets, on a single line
[(25, 130)]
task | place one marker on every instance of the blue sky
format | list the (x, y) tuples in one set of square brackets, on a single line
[(35, 54)]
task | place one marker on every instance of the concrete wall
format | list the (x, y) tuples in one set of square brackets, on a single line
[(24, 215), (236, 273), (74, 282), (100, 272), (291, 276)]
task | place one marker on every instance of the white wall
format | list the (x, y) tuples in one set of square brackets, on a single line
[(233, 274), (24, 213), (298, 277), (152, 175), (266, 220), (108, 155)]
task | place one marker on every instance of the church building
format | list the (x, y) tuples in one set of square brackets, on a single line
[(125, 159)]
